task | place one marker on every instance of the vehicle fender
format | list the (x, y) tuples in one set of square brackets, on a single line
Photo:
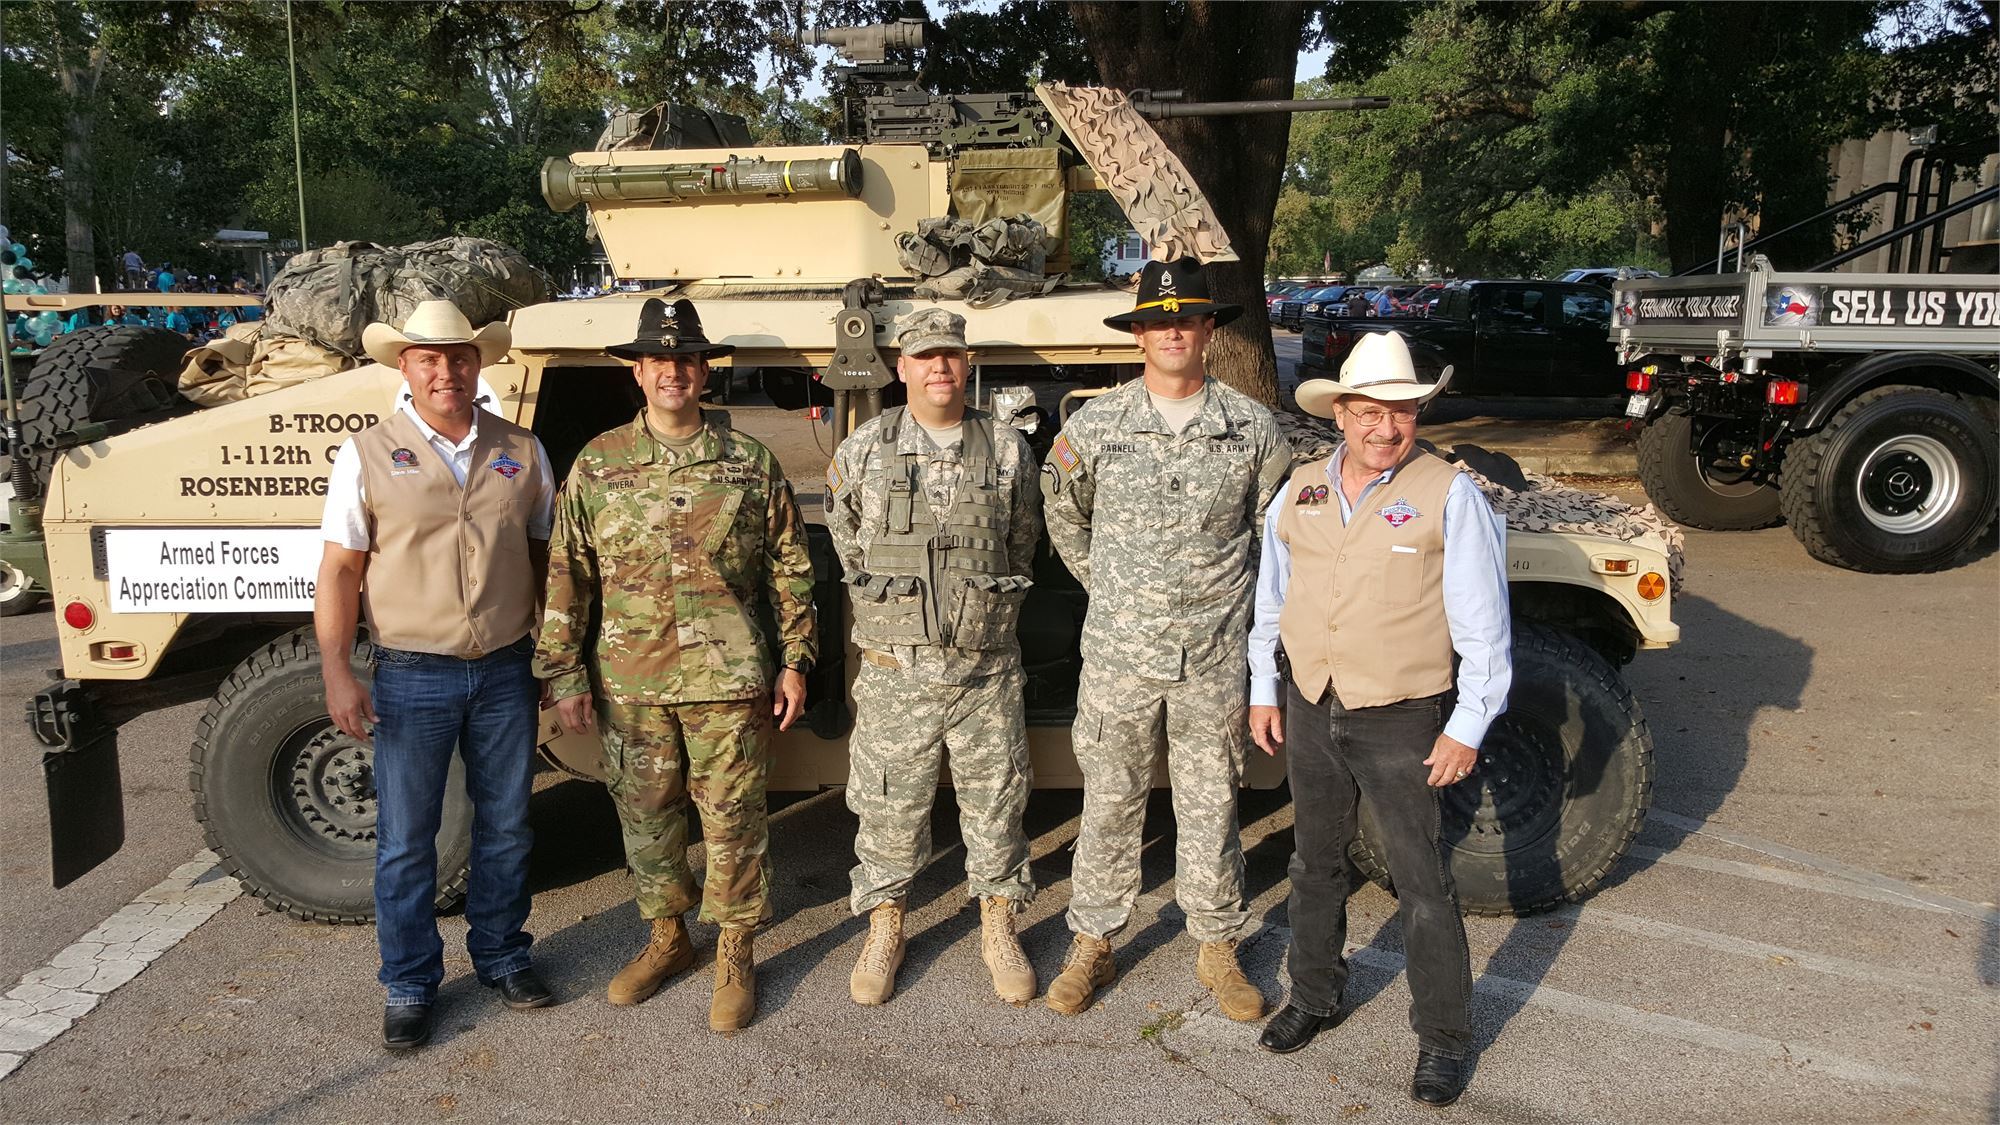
[(1957, 373), (1568, 558)]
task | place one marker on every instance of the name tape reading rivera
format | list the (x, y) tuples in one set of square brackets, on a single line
[(189, 570)]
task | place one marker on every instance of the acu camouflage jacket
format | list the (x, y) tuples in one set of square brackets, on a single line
[(670, 571)]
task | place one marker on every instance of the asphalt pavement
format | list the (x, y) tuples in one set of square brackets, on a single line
[(1805, 930)]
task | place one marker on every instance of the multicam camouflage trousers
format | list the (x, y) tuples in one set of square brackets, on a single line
[(902, 727), (1119, 723), (718, 753)]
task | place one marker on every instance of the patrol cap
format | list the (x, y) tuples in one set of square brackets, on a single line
[(929, 330)]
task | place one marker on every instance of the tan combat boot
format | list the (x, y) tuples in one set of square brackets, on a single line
[(1013, 977), (735, 1000), (669, 952), (1216, 968), (874, 978), (1087, 969)]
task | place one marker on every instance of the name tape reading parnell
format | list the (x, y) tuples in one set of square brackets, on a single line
[(212, 570)]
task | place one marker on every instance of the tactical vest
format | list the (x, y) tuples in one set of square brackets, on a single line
[(925, 584)]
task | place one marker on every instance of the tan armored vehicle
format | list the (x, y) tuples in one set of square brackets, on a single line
[(199, 534)]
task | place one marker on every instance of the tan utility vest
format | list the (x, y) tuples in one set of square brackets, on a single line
[(448, 567), (932, 585), (1364, 611)]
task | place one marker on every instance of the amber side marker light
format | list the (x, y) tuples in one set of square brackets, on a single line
[(1652, 587)]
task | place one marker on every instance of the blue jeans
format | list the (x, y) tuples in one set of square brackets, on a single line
[(1336, 759), (426, 705)]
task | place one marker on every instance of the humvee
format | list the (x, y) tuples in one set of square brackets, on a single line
[(199, 534)]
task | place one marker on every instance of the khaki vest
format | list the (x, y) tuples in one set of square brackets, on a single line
[(932, 585), (448, 567), (1365, 608)]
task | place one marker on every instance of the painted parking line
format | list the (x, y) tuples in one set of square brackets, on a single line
[(49, 1000)]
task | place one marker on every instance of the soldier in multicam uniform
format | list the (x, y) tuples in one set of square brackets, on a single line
[(670, 533), (935, 512), (1154, 495)]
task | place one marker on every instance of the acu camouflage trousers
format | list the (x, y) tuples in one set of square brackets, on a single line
[(1120, 720), (657, 757), (902, 726)]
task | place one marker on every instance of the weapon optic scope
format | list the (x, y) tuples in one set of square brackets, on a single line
[(737, 179), (869, 43)]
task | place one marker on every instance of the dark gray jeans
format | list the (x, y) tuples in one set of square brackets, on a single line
[(1338, 758)]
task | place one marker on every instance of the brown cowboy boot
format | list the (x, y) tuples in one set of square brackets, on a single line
[(1087, 969), (874, 978), (1013, 976), (1218, 971), (668, 952), (735, 1000)]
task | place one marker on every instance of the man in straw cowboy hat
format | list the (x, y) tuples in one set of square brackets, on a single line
[(935, 513), (436, 529), (673, 537), (1402, 568), (1153, 495)]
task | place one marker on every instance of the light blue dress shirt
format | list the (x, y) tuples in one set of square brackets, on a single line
[(1475, 601)]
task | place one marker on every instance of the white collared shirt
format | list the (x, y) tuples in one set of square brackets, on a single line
[(345, 519)]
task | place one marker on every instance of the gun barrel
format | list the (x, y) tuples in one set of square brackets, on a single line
[(1160, 111), (737, 180)]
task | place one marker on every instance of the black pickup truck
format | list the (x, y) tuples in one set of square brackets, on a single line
[(1502, 338)]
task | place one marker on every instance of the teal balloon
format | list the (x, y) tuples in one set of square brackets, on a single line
[(12, 286), (18, 249)]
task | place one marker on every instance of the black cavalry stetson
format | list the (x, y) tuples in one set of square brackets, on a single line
[(669, 330), (1171, 290)]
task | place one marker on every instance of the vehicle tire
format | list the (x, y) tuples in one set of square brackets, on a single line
[(18, 594), (1900, 481), (288, 802), (1564, 781), (101, 375), (1692, 487)]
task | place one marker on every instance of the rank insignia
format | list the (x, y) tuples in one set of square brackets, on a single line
[(506, 466), (1399, 513), (403, 458)]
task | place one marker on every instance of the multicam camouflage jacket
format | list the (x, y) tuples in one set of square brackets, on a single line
[(1163, 529), (670, 570)]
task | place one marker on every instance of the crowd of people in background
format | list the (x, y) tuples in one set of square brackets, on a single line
[(199, 323)]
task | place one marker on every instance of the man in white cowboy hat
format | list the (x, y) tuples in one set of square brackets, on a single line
[(935, 514), (436, 527), (1153, 495), (1402, 567), (680, 622)]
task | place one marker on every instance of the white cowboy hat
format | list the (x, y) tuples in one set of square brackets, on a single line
[(1379, 367), (435, 322)]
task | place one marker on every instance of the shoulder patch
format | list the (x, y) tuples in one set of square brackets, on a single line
[(1064, 456), (833, 478)]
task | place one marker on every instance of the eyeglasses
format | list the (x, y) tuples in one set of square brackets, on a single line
[(1374, 417)]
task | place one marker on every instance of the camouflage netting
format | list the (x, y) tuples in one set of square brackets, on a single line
[(326, 297), (1543, 505), (1139, 171), (983, 264)]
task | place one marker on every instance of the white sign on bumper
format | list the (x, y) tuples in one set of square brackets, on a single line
[(204, 570)]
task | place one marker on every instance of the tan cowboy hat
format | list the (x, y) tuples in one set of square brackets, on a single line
[(435, 322), (1380, 368)]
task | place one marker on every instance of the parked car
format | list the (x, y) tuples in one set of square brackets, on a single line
[(1274, 296), (1603, 276), (1500, 337), (1292, 309)]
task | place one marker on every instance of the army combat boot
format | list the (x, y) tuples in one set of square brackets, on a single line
[(1013, 977), (1218, 971), (735, 1000), (669, 952), (874, 978), (1087, 969)]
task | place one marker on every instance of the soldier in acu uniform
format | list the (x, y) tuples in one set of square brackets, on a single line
[(671, 535), (1154, 496), (935, 513)]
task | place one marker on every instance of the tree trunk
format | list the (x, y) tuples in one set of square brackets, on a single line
[(79, 85), (1216, 52)]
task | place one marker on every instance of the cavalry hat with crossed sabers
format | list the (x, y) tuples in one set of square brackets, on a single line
[(1171, 290), (666, 329)]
